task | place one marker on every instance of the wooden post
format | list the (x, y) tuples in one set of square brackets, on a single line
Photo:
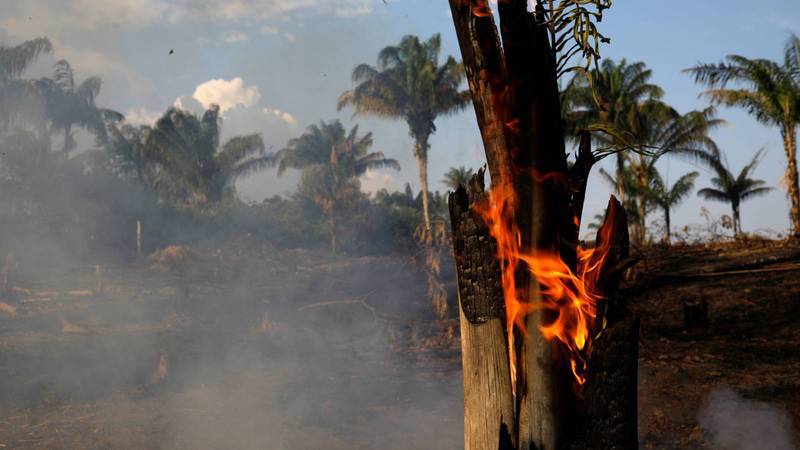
[(488, 399), (138, 239), (98, 275), (6, 286)]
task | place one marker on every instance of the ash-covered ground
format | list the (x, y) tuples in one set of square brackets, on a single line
[(243, 346)]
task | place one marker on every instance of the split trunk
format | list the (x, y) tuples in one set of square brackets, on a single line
[(516, 99)]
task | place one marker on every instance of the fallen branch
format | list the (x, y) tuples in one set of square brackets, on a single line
[(649, 282)]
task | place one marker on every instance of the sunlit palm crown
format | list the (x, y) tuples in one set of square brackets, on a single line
[(408, 83), (619, 89), (768, 90), (622, 102)]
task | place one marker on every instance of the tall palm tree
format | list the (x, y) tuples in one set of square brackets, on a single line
[(69, 104), (332, 160), (734, 189), (457, 176), (768, 90), (408, 83), (616, 93), (13, 62), (668, 198), (192, 162)]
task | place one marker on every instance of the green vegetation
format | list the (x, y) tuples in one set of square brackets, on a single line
[(179, 179), (409, 84), (767, 90), (332, 160), (457, 176), (667, 197), (734, 189)]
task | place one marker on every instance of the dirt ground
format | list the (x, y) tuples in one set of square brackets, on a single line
[(251, 348)]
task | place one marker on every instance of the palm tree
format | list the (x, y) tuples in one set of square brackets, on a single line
[(636, 203), (192, 163), (657, 130), (668, 198), (734, 189), (616, 92), (332, 160), (768, 90), (13, 62), (128, 147), (408, 83), (70, 104), (457, 176)]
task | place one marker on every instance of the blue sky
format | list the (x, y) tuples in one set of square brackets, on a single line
[(281, 64)]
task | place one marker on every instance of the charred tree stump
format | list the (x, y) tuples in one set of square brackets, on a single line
[(610, 415), (488, 399), (695, 313)]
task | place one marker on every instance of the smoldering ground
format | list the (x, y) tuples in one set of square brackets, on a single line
[(247, 347)]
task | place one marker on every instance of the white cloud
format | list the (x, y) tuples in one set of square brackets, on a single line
[(373, 181), (141, 116), (283, 115), (239, 106), (52, 17), (269, 29), (234, 37), (234, 10), (226, 94), (290, 37)]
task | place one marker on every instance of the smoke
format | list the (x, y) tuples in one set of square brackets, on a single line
[(736, 423)]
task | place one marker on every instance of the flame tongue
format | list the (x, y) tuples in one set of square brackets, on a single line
[(571, 295)]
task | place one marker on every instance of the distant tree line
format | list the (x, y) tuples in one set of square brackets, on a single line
[(180, 178)]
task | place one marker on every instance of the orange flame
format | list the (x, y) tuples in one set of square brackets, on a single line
[(572, 295)]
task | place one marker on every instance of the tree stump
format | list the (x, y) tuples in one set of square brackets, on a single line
[(695, 313), (488, 399)]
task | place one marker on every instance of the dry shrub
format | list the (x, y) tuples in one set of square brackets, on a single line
[(174, 259)]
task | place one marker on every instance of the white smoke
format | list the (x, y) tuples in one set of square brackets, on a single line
[(733, 422)]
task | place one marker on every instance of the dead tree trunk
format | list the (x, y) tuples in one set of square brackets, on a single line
[(488, 400), (516, 99)]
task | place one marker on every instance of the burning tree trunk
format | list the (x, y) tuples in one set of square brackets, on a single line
[(531, 220)]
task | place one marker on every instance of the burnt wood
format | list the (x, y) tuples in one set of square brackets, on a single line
[(489, 418), (610, 397), (480, 285)]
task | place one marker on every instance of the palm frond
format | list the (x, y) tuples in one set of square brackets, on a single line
[(713, 194), (14, 60), (757, 192)]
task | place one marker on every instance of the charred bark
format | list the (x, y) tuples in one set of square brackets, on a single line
[(488, 398), (610, 399)]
